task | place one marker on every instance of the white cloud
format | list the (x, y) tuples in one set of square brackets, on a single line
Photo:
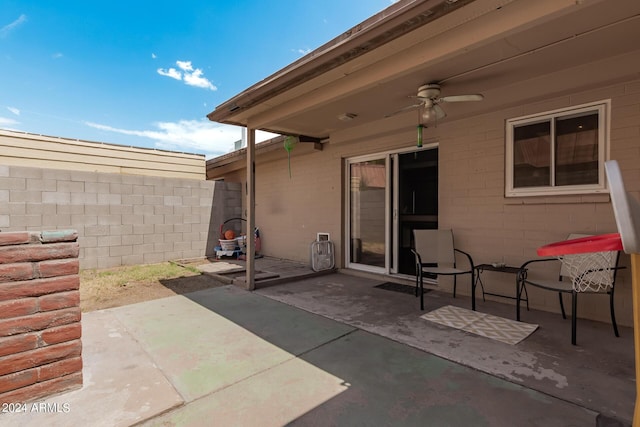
[(185, 65), (171, 72), (4, 31), (196, 79), (302, 51), (57, 55), (6, 122), (191, 136), (191, 76), (14, 110), (153, 55)]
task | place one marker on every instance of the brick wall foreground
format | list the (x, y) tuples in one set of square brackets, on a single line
[(40, 329)]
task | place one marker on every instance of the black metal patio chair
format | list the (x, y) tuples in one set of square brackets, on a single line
[(579, 273), (435, 254)]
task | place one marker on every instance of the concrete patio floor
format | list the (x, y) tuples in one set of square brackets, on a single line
[(597, 374), (335, 350)]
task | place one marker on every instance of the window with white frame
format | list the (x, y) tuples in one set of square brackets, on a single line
[(557, 152)]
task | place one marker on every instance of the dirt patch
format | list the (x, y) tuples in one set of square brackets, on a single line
[(114, 287)]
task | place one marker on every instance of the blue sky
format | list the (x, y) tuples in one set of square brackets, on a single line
[(145, 73)]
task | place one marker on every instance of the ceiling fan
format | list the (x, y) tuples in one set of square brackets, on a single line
[(429, 97)]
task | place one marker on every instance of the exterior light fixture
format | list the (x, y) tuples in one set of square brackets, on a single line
[(347, 117)]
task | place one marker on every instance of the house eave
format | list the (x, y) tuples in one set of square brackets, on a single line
[(387, 25)]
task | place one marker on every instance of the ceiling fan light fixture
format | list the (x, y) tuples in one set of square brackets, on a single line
[(428, 114), (433, 113)]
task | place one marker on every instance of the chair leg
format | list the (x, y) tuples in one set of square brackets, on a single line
[(421, 294), (454, 285), (418, 274), (518, 295), (564, 316), (473, 290), (574, 314), (613, 314)]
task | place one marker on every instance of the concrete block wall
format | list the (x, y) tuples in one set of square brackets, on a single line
[(233, 200), (230, 202), (120, 219), (227, 203), (40, 328)]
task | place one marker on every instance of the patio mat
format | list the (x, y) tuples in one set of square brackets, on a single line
[(486, 325), (398, 287)]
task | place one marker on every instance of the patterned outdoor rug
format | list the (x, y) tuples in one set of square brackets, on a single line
[(486, 325)]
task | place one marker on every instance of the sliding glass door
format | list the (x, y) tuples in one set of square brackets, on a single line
[(368, 213), (389, 195)]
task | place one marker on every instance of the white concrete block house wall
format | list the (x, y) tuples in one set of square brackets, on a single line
[(530, 60)]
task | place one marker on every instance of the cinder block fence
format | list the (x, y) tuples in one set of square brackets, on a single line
[(120, 219), (40, 329)]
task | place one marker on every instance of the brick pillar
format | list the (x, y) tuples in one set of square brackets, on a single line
[(40, 347)]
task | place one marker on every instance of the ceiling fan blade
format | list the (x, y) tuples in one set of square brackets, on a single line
[(461, 98), (402, 110)]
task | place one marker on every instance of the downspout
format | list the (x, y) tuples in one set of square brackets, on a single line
[(251, 205)]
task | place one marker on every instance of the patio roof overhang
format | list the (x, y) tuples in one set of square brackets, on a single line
[(500, 48)]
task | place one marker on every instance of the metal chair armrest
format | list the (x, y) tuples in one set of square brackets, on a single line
[(468, 257), (417, 257)]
